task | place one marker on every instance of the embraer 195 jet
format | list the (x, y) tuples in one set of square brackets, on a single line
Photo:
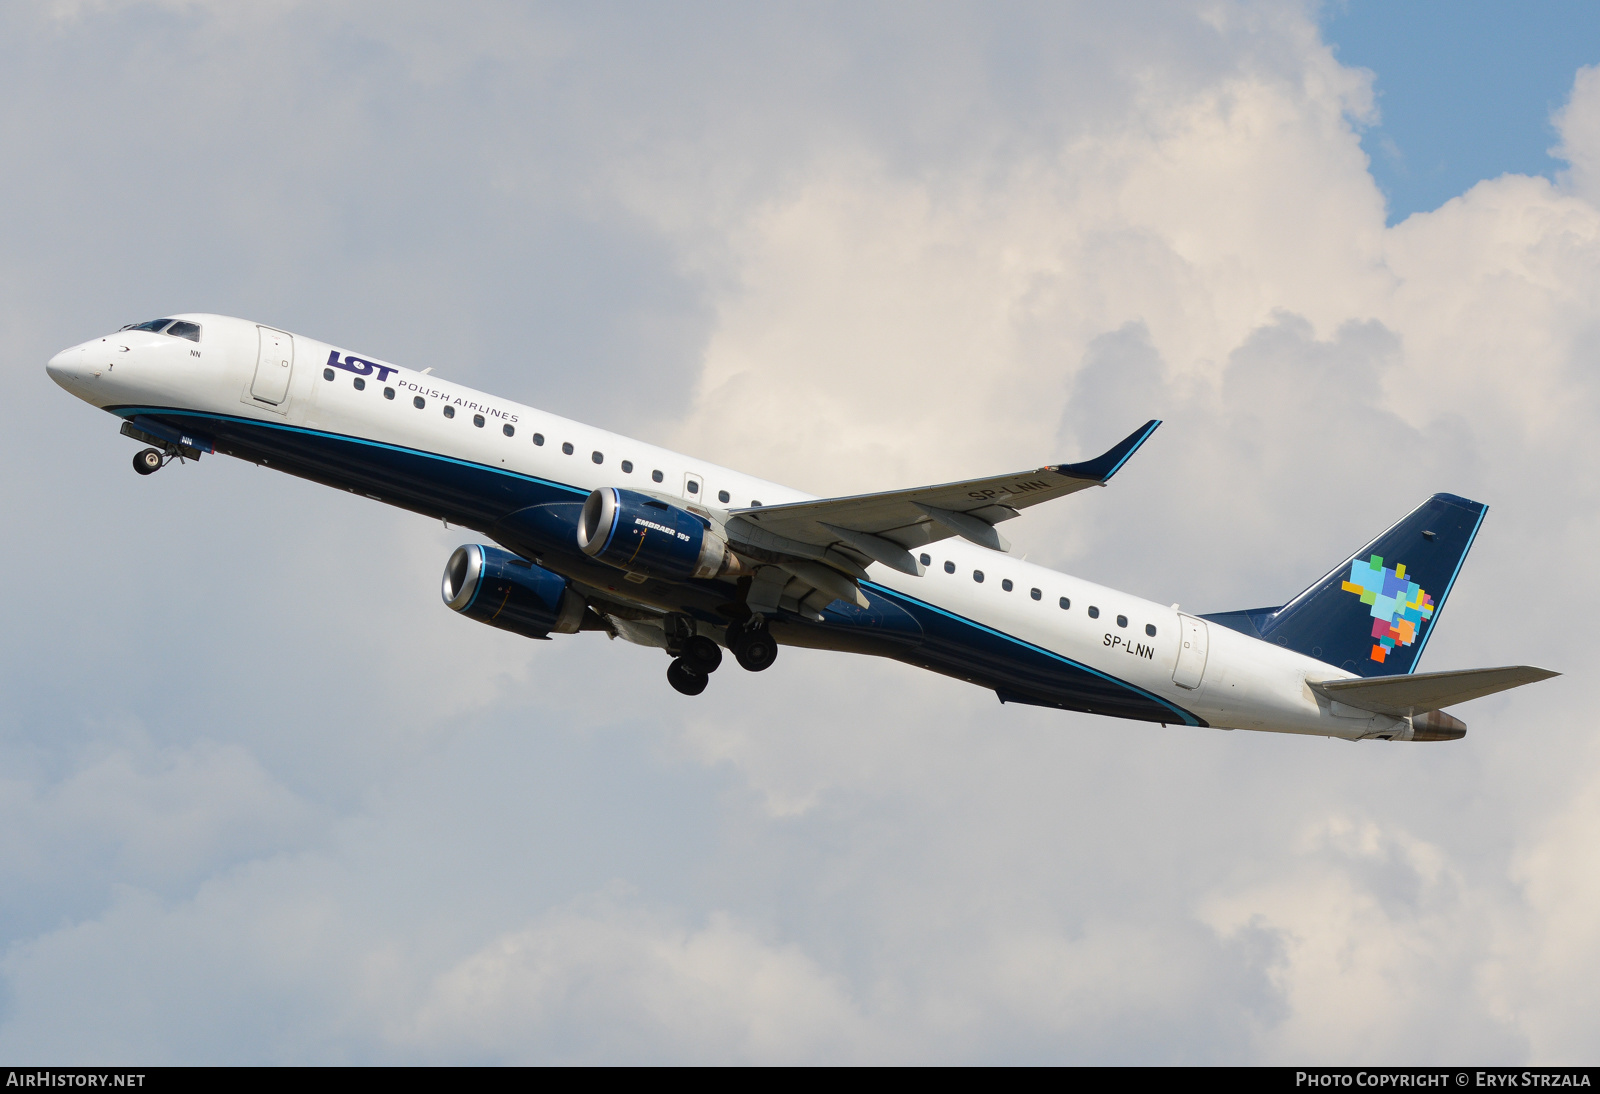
[(596, 531)]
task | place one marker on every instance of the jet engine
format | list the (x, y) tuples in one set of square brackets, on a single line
[(503, 590), (649, 537)]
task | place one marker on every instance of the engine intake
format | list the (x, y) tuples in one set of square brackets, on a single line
[(499, 588), (647, 536)]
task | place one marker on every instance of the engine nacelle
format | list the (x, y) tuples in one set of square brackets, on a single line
[(647, 536), (499, 588)]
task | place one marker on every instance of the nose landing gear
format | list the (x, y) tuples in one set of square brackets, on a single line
[(150, 460)]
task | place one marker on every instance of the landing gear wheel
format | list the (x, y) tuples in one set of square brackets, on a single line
[(701, 654), (685, 680), (754, 649), (148, 461)]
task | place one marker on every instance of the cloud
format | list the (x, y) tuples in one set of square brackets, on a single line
[(1376, 928), (1578, 122), (267, 801), (619, 985)]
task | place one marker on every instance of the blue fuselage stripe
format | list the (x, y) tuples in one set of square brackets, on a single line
[(126, 412), (1188, 719)]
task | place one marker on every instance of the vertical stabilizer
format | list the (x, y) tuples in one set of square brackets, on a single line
[(1374, 613)]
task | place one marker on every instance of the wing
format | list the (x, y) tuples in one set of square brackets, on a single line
[(881, 527), (821, 547)]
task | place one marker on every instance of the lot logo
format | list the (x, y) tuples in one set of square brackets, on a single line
[(354, 364), (1399, 606)]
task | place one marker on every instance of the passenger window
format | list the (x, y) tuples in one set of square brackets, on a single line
[(754, 504), (538, 438), (566, 447), (361, 385), (977, 575), (418, 401), (694, 487), (1150, 629), (477, 420), (722, 496), (1094, 613), (925, 560), (1065, 604), (1035, 593), (597, 458), (327, 374), (655, 476), (388, 393), (449, 411), (1122, 621), (627, 467), (1006, 584), (509, 430), (949, 567), (182, 329)]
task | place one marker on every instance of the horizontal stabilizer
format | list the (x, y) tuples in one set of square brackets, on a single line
[(1401, 696)]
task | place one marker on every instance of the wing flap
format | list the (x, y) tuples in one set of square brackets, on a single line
[(1401, 696)]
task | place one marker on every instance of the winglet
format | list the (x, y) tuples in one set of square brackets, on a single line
[(1101, 468)]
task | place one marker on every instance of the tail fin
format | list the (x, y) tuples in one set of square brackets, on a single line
[(1374, 613)]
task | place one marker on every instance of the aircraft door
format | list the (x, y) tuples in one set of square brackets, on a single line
[(693, 485), (1192, 654), (274, 366)]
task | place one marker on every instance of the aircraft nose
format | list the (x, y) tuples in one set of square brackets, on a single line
[(65, 366), (76, 366)]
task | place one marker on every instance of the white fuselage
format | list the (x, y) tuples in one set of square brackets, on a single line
[(1242, 682)]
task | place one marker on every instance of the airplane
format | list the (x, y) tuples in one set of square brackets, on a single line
[(593, 531)]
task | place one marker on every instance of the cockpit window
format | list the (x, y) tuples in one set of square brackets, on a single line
[(183, 329), (152, 325)]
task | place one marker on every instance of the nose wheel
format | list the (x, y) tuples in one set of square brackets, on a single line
[(148, 461)]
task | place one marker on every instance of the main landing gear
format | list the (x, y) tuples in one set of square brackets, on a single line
[(696, 657), (752, 645)]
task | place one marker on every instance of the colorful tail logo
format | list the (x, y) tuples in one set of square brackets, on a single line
[(1399, 606)]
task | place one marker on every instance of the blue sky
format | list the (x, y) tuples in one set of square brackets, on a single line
[(1465, 88)]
